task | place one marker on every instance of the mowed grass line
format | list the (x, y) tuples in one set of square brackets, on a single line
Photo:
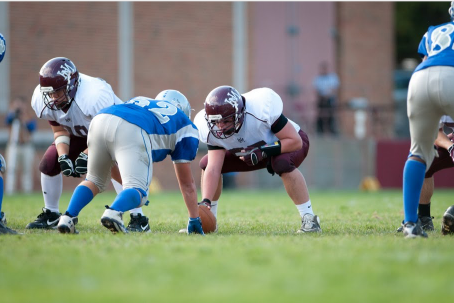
[(255, 257)]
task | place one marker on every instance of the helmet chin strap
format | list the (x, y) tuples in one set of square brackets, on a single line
[(67, 105)]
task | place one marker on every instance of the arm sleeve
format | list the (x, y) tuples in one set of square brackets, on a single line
[(185, 150), (213, 147), (279, 124)]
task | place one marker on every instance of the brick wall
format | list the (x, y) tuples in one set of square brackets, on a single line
[(366, 61)]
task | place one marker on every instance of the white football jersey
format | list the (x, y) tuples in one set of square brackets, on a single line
[(447, 121), (92, 95), (263, 108)]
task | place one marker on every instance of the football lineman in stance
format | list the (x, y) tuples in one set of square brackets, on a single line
[(68, 100), (134, 135), (429, 98), (249, 132)]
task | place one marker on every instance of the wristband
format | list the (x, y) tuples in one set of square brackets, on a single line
[(272, 149), (62, 139)]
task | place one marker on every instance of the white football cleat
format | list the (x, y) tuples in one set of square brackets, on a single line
[(113, 221), (67, 224)]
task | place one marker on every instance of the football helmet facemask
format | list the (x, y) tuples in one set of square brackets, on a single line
[(176, 98), (58, 80), (224, 111)]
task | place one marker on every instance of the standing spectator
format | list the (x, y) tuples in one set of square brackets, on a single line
[(20, 150), (326, 86)]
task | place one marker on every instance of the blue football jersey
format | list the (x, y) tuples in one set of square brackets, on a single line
[(171, 132), (437, 45)]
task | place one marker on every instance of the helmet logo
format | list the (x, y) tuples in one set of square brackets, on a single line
[(232, 98), (66, 71)]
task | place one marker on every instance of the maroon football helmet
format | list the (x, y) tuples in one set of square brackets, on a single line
[(58, 80), (224, 108)]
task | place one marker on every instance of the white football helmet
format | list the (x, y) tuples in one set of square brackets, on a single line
[(177, 99)]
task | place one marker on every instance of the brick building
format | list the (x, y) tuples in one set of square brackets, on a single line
[(141, 48)]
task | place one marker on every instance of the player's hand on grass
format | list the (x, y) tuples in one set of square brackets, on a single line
[(195, 226)]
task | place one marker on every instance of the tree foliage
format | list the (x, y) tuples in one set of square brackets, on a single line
[(412, 21)]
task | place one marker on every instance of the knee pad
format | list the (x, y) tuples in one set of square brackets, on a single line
[(49, 163), (282, 165)]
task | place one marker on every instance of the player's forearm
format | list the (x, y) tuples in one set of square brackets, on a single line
[(289, 145), (443, 140), (210, 183), (62, 141), (189, 193)]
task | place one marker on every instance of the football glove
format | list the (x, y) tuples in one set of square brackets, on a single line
[(81, 163), (67, 167), (255, 156), (195, 226), (451, 152)]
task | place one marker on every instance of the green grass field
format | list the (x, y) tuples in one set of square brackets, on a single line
[(255, 257)]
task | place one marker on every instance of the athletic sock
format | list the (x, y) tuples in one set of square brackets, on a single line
[(424, 210), (305, 208), (81, 197), (128, 199), (413, 179), (214, 208), (117, 186), (136, 211), (52, 187)]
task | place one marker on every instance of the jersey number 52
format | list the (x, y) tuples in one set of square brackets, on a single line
[(162, 112)]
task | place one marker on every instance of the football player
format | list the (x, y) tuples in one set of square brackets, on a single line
[(69, 100), (3, 228), (134, 135), (429, 98), (249, 132), (445, 148)]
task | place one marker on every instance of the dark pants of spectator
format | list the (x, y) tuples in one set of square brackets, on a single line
[(325, 121)]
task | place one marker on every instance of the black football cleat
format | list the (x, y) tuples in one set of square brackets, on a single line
[(3, 228), (414, 230), (138, 224), (447, 223), (426, 223), (45, 220)]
